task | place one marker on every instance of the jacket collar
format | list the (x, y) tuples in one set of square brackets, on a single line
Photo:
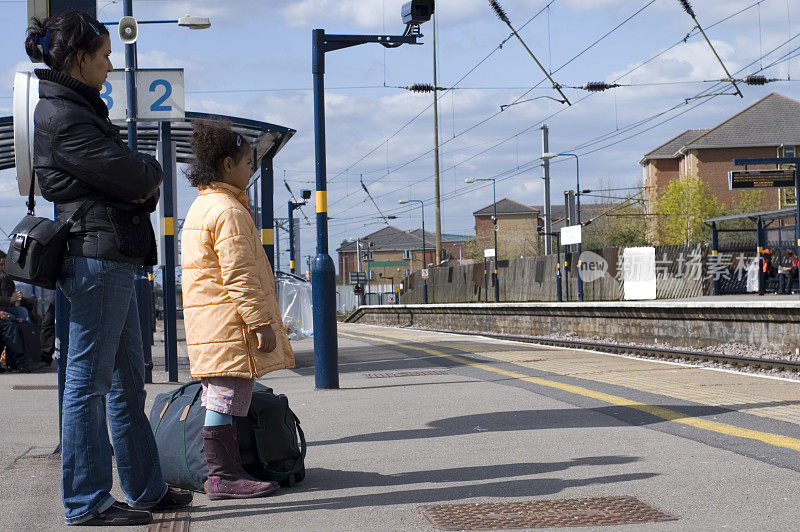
[(219, 186), (54, 84)]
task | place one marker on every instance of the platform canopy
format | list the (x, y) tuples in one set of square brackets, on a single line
[(765, 216), (268, 139)]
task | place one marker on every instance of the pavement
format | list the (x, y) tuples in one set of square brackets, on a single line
[(426, 419)]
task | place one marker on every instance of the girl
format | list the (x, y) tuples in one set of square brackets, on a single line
[(81, 162), (234, 330)]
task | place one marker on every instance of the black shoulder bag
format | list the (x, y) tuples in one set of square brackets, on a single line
[(38, 246)]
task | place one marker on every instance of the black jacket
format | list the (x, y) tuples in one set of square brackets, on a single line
[(78, 155)]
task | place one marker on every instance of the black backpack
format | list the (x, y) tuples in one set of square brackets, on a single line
[(271, 442)]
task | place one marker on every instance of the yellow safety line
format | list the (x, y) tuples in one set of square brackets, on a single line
[(776, 440)]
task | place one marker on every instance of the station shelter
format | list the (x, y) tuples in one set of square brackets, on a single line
[(749, 235), (171, 141)]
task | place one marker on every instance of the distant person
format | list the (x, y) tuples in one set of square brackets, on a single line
[(11, 300), (78, 156), (787, 272), (11, 340), (766, 272), (234, 331)]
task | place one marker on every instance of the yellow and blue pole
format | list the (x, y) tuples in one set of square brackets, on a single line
[(168, 249), (267, 210), (323, 274)]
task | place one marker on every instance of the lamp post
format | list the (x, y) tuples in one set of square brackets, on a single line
[(548, 156), (495, 278), (557, 235), (424, 258), (323, 272)]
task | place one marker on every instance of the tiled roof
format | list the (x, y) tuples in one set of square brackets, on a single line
[(771, 121), (672, 146), (505, 206), (387, 239)]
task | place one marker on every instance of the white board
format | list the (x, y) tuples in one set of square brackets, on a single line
[(639, 269)]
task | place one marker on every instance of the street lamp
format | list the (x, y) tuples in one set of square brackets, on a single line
[(323, 272), (548, 156), (424, 257), (495, 278), (557, 235)]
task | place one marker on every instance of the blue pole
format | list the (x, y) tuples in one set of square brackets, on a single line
[(267, 212), (715, 254), (130, 81), (291, 237), (323, 275), (424, 258), (168, 248), (496, 257)]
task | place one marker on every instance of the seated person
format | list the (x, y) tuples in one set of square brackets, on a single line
[(11, 299), (787, 271), (11, 340)]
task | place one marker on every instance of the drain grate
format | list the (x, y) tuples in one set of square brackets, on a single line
[(35, 387), (420, 373), (170, 522), (542, 514)]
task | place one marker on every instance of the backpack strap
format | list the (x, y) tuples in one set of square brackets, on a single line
[(260, 436)]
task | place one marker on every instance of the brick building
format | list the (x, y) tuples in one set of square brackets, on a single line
[(392, 252), (768, 128), (516, 228)]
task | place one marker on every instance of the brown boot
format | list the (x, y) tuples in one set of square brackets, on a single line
[(227, 478)]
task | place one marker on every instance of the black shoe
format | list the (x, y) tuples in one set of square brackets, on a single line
[(173, 500), (120, 514)]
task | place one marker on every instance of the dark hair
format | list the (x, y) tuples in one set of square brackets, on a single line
[(56, 40), (212, 141), (2, 255)]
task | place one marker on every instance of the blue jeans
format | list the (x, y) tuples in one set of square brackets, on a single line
[(18, 312), (104, 380)]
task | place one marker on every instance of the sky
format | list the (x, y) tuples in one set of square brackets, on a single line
[(255, 62)]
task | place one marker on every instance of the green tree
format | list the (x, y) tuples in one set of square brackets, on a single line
[(684, 206)]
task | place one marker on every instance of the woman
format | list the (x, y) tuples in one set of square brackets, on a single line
[(78, 157)]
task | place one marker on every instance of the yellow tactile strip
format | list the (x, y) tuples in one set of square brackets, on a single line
[(774, 399)]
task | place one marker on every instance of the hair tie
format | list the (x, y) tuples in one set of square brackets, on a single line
[(43, 43), (238, 141)]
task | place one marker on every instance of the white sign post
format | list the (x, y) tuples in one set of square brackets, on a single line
[(159, 95), (570, 235)]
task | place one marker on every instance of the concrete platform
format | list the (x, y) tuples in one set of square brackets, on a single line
[(428, 418)]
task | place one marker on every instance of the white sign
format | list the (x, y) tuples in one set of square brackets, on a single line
[(425, 273), (570, 235), (391, 299), (639, 269), (160, 95), (488, 253)]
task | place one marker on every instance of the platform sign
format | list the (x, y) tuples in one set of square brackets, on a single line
[(424, 273), (746, 179), (488, 253), (160, 95), (391, 299), (570, 235)]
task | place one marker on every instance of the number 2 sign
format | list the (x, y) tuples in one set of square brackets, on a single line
[(160, 95)]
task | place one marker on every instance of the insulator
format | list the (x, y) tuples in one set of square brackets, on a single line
[(501, 14), (687, 7), (755, 80), (421, 87), (598, 86)]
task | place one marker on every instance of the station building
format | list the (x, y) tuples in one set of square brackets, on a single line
[(768, 128)]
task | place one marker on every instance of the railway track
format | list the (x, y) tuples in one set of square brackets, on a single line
[(652, 352)]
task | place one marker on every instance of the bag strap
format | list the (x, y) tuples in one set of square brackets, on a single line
[(172, 398), (76, 216)]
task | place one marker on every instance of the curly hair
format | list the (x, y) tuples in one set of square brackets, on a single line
[(66, 34), (212, 142)]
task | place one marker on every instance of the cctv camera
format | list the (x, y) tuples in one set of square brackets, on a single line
[(417, 11), (306, 194)]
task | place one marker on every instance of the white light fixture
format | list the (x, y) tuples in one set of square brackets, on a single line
[(549, 155), (470, 180), (194, 23), (402, 201)]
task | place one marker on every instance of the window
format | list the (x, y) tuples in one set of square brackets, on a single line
[(366, 255), (407, 254)]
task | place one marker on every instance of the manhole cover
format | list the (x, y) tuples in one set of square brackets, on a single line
[(388, 374), (35, 387), (542, 514)]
